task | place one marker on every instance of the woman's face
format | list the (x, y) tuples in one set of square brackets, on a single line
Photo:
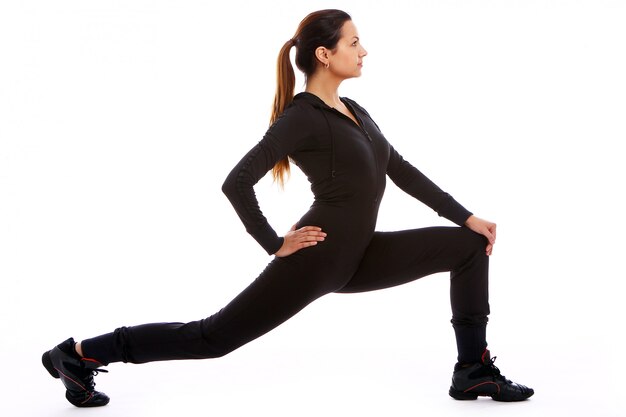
[(346, 60)]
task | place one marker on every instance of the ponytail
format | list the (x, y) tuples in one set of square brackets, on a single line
[(285, 84), (320, 28)]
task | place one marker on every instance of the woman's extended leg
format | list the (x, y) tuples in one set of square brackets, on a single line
[(394, 258), (285, 287), (282, 290)]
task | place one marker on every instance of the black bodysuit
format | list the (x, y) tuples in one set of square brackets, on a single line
[(346, 164)]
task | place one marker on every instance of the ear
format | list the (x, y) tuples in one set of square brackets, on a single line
[(321, 54)]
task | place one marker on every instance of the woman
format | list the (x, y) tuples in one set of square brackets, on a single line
[(333, 247)]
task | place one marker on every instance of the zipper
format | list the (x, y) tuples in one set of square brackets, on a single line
[(367, 136)]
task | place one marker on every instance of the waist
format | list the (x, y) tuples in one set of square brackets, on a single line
[(344, 222)]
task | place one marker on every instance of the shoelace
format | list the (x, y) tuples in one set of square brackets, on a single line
[(495, 372), (88, 378)]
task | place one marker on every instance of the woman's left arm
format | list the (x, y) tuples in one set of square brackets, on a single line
[(413, 182)]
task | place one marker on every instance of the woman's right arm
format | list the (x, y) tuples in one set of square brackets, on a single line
[(289, 132)]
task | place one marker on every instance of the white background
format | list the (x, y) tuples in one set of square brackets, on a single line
[(119, 120)]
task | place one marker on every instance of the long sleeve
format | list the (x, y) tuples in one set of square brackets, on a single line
[(281, 139), (416, 184)]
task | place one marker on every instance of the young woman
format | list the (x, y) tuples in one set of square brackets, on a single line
[(333, 247)]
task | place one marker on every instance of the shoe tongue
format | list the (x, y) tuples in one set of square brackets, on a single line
[(486, 357), (68, 347)]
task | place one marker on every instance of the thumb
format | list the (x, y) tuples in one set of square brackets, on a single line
[(293, 228)]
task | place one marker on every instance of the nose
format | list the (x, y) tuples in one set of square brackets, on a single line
[(363, 52)]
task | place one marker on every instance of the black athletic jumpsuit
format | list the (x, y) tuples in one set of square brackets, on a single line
[(347, 165)]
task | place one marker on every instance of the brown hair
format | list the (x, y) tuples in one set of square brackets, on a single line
[(320, 28)]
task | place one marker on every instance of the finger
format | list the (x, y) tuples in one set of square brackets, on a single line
[(293, 228), (312, 238), (300, 235), (311, 232), (306, 244), (315, 234), (310, 228), (303, 238), (490, 237)]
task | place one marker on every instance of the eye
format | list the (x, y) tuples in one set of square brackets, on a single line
[(354, 43)]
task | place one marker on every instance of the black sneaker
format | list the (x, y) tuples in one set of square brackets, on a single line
[(484, 379), (76, 373)]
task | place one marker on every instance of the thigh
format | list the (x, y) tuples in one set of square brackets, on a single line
[(284, 288), (395, 258)]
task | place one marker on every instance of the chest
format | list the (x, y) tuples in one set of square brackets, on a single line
[(354, 152)]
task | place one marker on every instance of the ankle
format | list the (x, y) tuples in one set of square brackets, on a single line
[(79, 349)]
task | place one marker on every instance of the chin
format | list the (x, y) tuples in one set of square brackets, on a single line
[(355, 74)]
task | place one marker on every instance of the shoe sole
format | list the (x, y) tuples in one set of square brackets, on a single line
[(460, 395), (47, 363), (513, 399)]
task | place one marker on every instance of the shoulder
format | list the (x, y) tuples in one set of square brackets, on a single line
[(298, 112), (293, 116), (295, 125), (294, 110)]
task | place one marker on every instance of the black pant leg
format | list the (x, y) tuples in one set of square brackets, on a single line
[(284, 288), (395, 258)]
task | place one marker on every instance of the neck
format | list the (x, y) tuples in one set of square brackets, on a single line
[(325, 87)]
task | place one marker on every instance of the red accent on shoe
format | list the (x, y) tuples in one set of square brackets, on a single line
[(483, 383), (81, 386), (92, 361), (88, 398), (482, 357)]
